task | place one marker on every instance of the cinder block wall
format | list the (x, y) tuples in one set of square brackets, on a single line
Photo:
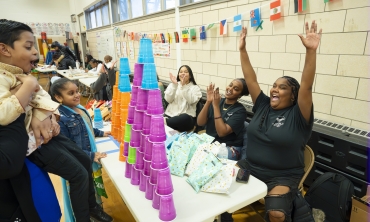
[(341, 87)]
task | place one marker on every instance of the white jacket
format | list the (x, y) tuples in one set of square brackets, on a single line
[(182, 99)]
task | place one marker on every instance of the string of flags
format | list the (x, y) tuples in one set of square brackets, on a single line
[(191, 33)]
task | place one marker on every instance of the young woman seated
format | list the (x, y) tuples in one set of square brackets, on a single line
[(224, 117), (182, 94)]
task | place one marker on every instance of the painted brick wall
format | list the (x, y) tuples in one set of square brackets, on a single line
[(341, 87)]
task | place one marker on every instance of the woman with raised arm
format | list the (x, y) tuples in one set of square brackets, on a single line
[(280, 128)]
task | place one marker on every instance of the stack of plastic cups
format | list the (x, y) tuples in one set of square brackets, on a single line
[(126, 144), (98, 119), (125, 100), (114, 109), (118, 117)]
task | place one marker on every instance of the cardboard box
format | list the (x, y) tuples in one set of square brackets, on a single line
[(361, 208)]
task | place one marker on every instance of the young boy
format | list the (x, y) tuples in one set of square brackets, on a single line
[(21, 93)]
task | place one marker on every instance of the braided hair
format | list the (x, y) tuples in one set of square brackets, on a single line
[(245, 91), (10, 31), (293, 83)]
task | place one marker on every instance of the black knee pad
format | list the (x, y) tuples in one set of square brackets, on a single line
[(282, 203)]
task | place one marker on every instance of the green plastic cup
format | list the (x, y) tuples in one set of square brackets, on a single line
[(131, 159), (127, 133)]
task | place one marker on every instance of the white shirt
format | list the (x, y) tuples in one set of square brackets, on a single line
[(182, 99), (108, 65), (96, 70)]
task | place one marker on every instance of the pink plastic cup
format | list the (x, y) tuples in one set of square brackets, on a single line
[(164, 182), (135, 138), (167, 211), (135, 176), (157, 132), (143, 179), (139, 164), (155, 106), (128, 170), (153, 175), (148, 149), (149, 190), (159, 156), (138, 74), (138, 120), (156, 200), (135, 90), (146, 123), (146, 169), (142, 99), (142, 142), (125, 148), (131, 114)]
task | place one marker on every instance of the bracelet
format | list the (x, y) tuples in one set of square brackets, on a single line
[(218, 117)]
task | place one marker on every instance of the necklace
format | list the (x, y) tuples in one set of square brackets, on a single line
[(224, 108)]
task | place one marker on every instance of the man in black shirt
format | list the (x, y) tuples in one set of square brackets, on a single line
[(63, 64)]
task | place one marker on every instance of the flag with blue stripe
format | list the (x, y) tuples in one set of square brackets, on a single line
[(237, 23)]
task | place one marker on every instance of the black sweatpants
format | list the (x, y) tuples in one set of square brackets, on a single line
[(181, 123), (63, 157)]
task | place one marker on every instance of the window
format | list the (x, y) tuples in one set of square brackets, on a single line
[(98, 17), (184, 2), (137, 8), (153, 6), (92, 19), (170, 4), (105, 15), (122, 10)]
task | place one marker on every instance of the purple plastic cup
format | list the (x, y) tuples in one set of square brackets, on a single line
[(155, 106), (128, 170), (146, 123), (138, 120), (164, 182), (159, 156), (149, 190), (143, 179), (148, 149), (142, 100), (134, 92), (142, 142), (135, 138), (157, 132), (167, 211), (125, 148), (138, 74), (131, 114), (135, 176), (139, 164), (146, 169), (154, 175), (156, 200)]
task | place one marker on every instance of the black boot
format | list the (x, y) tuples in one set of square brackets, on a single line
[(98, 215)]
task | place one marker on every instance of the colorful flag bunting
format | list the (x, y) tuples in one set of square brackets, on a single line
[(325, 1), (185, 35), (210, 26), (177, 40), (169, 37), (202, 31), (193, 35), (275, 10), (163, 39), (237, 23), (255, 17), (223, 27), (300, 5)]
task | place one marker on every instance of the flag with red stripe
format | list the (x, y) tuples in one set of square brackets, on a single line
[(275, 10)]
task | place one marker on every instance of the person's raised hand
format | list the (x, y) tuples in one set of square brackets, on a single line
[(216, 97), (173, 79), (243, 35), (30, 82), (312, 39), (210, 90), (42, 129)]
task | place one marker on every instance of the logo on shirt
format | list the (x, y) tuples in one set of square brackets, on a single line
[(279, 121), (228, 116)]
